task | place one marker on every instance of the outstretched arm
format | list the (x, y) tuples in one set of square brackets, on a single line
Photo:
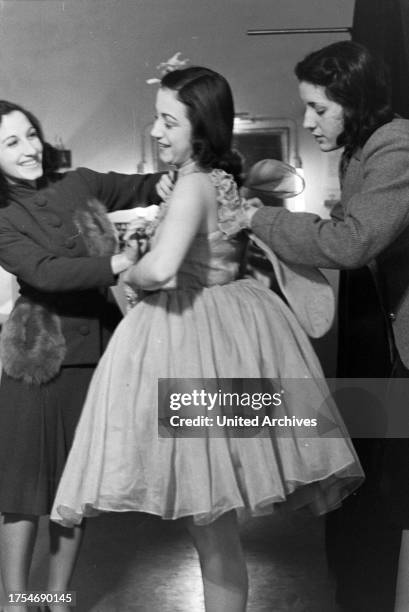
[(120, 191), (186, 216), (374, 216)]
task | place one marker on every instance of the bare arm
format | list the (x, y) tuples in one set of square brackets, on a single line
[(187, 215)]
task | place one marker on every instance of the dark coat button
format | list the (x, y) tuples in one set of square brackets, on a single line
[(69, 243), (84, 330), (55, 221), (40, 201), (392, 316)]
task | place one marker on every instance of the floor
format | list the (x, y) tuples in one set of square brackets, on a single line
[(133, 563)]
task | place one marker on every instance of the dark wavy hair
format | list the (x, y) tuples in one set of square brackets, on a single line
[(49, 163), (209, 101), (357, 81)]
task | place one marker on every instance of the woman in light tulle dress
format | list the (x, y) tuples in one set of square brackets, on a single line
[(196, 318)]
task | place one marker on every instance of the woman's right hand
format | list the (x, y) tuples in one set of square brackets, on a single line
[(133, 250)]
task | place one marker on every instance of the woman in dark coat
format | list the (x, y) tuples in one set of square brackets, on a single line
[(56, 239)]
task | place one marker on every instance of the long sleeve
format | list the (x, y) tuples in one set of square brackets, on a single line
[(40, 242), (118, 191), (48, 272), (376, 209)]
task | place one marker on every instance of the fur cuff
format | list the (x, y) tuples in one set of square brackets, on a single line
[(96, 229), (32, 346)]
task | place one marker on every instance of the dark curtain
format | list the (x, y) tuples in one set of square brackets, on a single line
[(363, 537), (364, 351), (383, 27), (364, 340)]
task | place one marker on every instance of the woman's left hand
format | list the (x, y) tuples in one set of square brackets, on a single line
[(165, 185)]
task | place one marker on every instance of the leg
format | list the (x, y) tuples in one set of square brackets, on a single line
[(224, 571), (64, 546), (17, 536)]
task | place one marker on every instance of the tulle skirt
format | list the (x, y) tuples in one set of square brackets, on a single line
[(119, 462)]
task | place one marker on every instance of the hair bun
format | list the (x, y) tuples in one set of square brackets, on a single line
[(232, 162)]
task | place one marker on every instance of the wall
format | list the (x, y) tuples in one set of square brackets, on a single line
[(81, 65)]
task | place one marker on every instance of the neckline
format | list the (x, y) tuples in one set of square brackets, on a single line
[(189, 168)]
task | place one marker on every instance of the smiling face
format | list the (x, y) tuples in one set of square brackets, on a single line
[(323, 117), (172, 129), (21, 150)]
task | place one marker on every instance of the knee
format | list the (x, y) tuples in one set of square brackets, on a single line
[(222, 534), (203, 536)]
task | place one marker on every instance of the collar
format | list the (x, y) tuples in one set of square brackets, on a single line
[(23, 190)]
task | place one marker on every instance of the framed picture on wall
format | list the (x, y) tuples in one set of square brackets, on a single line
[(259, 138)]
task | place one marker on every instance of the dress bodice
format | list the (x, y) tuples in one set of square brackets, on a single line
[(217, 258), (213, 259)]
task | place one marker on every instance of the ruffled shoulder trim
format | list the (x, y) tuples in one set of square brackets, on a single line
[(231, 218)]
